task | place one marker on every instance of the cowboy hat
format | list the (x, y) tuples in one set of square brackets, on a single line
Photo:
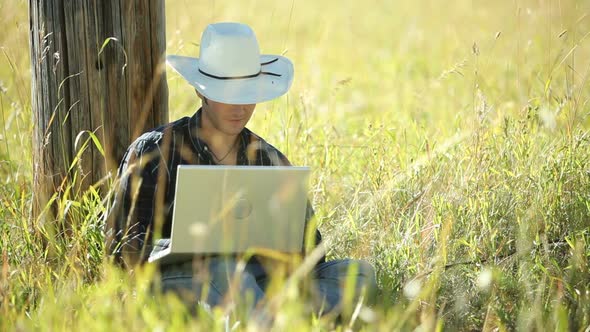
[(231, 69)]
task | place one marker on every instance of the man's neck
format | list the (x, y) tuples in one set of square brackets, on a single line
[(221, 144), (216, 140)]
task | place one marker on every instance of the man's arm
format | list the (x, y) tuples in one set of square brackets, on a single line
[(279, 159), (129, 224)]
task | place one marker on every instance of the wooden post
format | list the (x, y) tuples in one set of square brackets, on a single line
[(97, 70)]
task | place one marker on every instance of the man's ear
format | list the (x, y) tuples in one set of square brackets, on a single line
[(203, 99)]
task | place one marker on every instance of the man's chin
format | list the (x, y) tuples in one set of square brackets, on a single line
[(234, 130)]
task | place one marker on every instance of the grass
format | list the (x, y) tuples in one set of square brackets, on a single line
[(450, 145)]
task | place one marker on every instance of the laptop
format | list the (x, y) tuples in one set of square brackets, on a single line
[(235, 209)]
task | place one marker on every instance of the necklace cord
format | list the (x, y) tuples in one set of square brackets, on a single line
[(227, 154)]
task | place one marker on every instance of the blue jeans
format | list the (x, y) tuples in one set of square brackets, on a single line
[(212, 282)]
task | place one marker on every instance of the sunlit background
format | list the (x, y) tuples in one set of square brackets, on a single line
[(449, 146)]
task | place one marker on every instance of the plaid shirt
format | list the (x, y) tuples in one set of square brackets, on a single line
[(147, 176)]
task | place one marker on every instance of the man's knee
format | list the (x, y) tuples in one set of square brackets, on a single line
[(360, 272), (364, 277)]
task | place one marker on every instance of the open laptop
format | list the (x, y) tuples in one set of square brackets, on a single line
[(233, 209)]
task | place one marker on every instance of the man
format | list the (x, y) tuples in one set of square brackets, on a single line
[(230, 78)]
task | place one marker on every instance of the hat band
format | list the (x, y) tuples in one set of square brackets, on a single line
[(246, 76)]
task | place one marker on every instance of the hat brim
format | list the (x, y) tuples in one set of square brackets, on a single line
[(237, 91)]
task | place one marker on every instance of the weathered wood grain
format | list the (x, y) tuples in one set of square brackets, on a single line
[(79, 84), (114, 60), (158, 57)]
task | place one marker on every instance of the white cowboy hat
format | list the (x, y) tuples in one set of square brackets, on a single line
[(231, 69)]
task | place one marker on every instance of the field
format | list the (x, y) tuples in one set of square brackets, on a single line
[(450, 143)]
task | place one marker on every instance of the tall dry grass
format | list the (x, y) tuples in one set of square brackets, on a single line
[(449, 143)]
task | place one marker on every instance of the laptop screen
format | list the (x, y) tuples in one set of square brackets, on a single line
[(233, 209)]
